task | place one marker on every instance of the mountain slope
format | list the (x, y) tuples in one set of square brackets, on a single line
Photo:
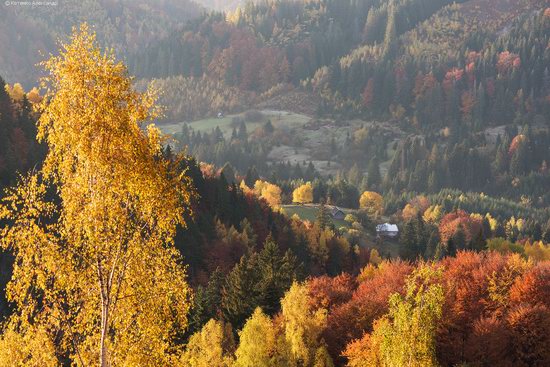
[(225, 5), (26, 32)]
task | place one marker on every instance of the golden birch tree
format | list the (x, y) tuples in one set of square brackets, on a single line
[(211, 346), (303, 326), (372, 202), (406, 335), (257, 346), (95, 269), (269, 192)]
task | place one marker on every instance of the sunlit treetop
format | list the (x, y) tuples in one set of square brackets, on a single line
[(95, 270)]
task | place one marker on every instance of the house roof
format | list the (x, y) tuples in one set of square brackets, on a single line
[(335, 210), (387, 227)]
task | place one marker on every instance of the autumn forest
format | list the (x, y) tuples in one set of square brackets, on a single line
[(275, 183)]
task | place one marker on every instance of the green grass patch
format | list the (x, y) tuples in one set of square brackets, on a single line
[(309, 212), (278, 119)]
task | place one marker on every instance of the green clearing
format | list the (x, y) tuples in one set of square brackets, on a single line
[(278, 119), (387, 247), (309, 212)]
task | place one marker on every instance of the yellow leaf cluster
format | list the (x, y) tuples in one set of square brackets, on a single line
[(31, 349), (303, 326), (303, 194), (537, 251), (257, 342), (16, 92), (433, 214), (406, 335), (210, 347), (372, 202), (269, 192)]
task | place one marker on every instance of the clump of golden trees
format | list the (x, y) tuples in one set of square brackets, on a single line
[(95, 279), (372, 202), (303, 194)]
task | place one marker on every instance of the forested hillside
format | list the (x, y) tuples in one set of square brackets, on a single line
[(306, 35), (29, 33), (375, 59), (358, 183), (227, 5), (463, 106)]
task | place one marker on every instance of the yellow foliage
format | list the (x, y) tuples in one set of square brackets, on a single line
[(372, 202), (112, 288), (433, 214), (492, 222), (303, 326), (368, 272), (409, 212), (537, 251), (477, 217), (397, 112), (210, 347), (234, 17), (257, 342), (322, 358), (501, 282), (375, 257), (269, 192), (303, 194), (31, 349), (34, 96), (16, 92), (406, 335), (520, 224), (361, 135), (244, 187)]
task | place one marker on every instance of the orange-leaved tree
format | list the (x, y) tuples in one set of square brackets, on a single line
[(95, 273)]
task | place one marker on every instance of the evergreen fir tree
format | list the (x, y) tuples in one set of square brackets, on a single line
[(268, 127), (323, 219), (451, 248), (519, 164), (421, 235), (479, 243), (500, 231), (432, 246), (228, 173), (408, 241), (207, 302), (251, 177), (459, 238), (276, 275), (240, 292), (242, 133), (373, 174)]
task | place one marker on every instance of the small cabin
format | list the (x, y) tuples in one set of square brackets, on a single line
[(337, 213), (387, 230)]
